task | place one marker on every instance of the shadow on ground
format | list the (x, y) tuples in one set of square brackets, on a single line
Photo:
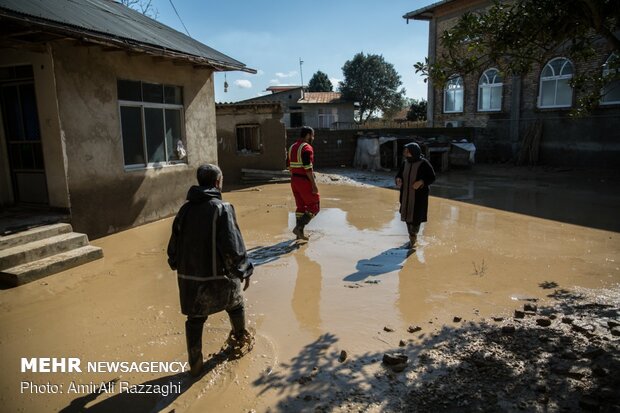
[(512, 365)]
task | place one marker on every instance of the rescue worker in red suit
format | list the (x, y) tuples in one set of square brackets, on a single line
[(306, 193)]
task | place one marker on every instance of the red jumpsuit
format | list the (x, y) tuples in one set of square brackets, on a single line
[(300, 158)]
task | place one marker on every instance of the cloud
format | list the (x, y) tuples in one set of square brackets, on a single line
[(284, 75), (274, 82), (243, 83), (335, 82)]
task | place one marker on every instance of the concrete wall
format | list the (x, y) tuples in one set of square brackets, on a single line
[(336, 148), (286, 99), (272, 133), (52, 140), (592, 140), (311, 113), (105, 197)]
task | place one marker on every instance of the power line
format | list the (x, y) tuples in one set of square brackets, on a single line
[(177, 13)]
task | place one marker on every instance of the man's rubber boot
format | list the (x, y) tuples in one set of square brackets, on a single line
[(302, 221), (193, 337)]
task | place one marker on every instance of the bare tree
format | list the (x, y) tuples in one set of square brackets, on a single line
[(143, 6)]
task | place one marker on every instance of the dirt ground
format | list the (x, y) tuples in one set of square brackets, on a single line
[(510, 303)]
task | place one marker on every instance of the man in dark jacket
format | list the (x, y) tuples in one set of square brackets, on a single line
[(207, 251)]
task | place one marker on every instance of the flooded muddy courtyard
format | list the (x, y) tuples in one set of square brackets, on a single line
[(325, 312)]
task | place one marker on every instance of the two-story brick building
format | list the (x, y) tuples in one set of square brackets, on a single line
[(506, 108)]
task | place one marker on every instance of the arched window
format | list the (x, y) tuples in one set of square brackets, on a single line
[(490, 88), (611, 92), (555, 88), (453, 95)]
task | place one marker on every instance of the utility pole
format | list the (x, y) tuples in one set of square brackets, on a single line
[(301, 73)]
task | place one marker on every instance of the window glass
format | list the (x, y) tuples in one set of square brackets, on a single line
[(12, 114), (555, 88), (152, 93), (129, 90), (453, 95), (173, 95), (611, 91), (248, 139), (490, 91), (154, 128), (131, 126), (29, 111), (173, 132)]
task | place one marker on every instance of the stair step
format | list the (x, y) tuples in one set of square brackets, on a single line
[(35, 250), (35, 270), (33, 234)]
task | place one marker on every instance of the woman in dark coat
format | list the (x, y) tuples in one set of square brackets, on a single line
[(414, 177)]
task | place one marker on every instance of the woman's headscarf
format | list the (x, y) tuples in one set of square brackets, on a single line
[(415, 151)]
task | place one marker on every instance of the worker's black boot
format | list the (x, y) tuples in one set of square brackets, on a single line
[(302, 221), (193, 337)]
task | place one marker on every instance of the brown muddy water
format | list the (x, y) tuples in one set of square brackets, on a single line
[(307, 302)]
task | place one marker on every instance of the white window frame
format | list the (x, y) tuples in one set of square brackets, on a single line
[(491, 84), (614, 84), (243, 151), (458, 81), (149, 105), (555, 78)]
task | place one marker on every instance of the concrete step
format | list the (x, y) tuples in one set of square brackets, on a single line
[(35, 270), (33, 234), (35, 250)]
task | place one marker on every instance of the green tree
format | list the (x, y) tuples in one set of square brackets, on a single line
[(373, 83), (417, 110), (320, 83), (520, 35)]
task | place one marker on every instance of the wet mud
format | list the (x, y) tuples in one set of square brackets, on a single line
[(352, 287)]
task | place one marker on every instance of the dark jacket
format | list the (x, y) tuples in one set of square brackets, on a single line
[(425, 173), (207, 250)]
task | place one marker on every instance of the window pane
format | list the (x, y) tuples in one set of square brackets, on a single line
[(449, 101), (248, 139), (484, 96), (173, 132), (547, 93), (27, 155), (29, 112), (611, 92), (129, 90), (12, 114), (458, 100), (565, 93), (496, 98), (24, 72), (38, 156), (152, 92), (131, 127), (154, 127), (15, 156), (567, 68), (174, 95), (557, 66)]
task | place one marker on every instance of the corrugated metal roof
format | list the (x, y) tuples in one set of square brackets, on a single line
[(322, 97), (107, 19), (425, 13)]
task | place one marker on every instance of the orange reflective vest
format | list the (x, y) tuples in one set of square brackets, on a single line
[(295, 161)]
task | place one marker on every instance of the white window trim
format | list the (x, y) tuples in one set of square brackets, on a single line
[(555, 78), (605, 73), (445, 89), (142, 106), (491, 86)]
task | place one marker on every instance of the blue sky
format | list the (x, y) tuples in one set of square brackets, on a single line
[(271, 36)]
